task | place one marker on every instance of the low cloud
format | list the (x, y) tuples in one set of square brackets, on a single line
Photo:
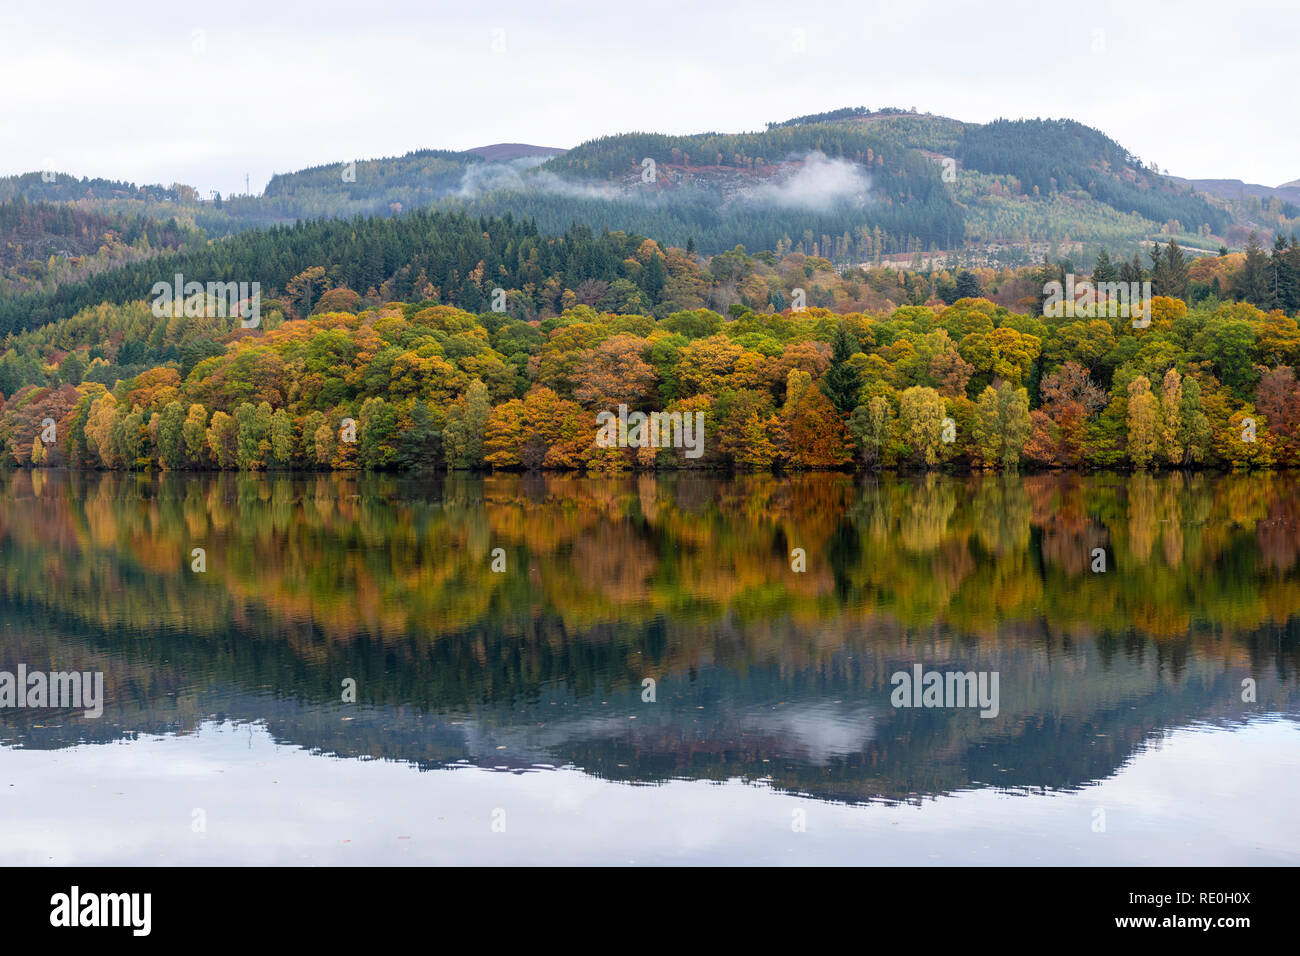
[(812, 181), (517, 176), (816, 183)]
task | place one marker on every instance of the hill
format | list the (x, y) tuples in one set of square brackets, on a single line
[(45, 244), (848, 184), (852, 186), (1236, 189), (504, 152)]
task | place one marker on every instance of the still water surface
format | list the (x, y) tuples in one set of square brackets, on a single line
[(503, 717)]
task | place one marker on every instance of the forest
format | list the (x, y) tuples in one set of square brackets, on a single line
[(1048, 156), (334, 380), (419, 255), (46, 244)]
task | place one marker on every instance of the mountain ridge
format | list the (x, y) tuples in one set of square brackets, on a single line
[(1237, 189), (852, 186)]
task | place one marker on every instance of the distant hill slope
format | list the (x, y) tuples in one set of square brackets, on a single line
[(45, 244), (504, 152), (423, 254), (1007, 181), (850, 185), (1236, 189)]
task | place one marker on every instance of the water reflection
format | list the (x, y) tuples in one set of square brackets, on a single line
[(760, 673)]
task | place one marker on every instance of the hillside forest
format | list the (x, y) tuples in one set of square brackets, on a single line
[(880, 369)]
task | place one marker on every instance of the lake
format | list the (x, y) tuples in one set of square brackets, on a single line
[(1040, 669)]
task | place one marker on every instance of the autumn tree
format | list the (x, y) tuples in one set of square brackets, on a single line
[(99, 430), (253, 432), (920, 419), (303, 287), (221, 439), (1277, 397), (1013, 423), (325, 442), (466, 428), (1143, 422), (128, 437), (1069, 397), (1171, 414), (755, 449), (1194, 431), (814, 435), (171, 438), (871, 426), (1244, 441), (377, 433), (949, 372), (1002, 425), (194, 432), (615, 373), (281, 439)]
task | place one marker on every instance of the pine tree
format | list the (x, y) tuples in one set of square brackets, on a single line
[(418, 445), (840, 383), (1175, 272), (968, 286), (1276, 273), (1131, 272), (1284, 275), (1291, 277), (1251, 282), (1047, 273), (1159, 275), (1104, 270)]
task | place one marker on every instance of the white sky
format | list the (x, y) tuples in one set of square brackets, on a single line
[(202, 93)]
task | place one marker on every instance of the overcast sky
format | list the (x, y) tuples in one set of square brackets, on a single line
[(203, 93)]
